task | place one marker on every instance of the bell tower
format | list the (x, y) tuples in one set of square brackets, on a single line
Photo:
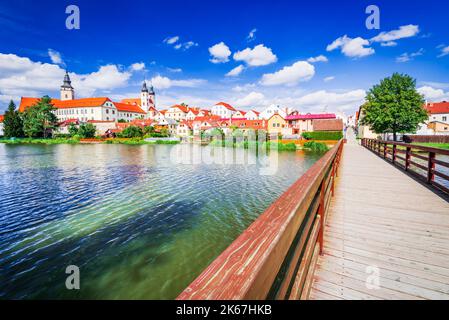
[(67, 91), (144, 97)]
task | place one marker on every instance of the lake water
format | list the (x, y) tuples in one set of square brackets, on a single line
[(138, 225)]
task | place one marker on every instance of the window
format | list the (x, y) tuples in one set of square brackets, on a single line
[(444, 118), (107, 111)]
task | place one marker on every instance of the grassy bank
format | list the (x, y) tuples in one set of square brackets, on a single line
[(433, 145), (132, 141)]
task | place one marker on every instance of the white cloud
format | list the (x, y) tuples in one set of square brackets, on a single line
[(258, 56), (175, 70), (433, 95), (353, 48), (55, 57), (327, 79), (220, 53), (253, 99), (20, 76), (189, 44), (290, 75), (444, 51), (171, 40), (405, 57), (246, 87), (403, 32), (319, 58), (252, 35), (161, 82), (236, 71), (138, 66), (389, 44)]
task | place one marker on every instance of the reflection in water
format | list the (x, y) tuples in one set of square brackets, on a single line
[(138, 225)]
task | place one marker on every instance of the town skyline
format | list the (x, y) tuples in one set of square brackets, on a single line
[(310, 66)]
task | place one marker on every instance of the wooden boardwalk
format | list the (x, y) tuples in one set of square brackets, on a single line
[(382, 225)]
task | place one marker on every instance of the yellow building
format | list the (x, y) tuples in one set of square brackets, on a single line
[(276, 123)]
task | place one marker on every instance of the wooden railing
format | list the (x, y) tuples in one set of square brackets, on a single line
[(420, 161), (275, 257)]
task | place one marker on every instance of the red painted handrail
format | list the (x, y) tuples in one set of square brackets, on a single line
[(275, 256), (389, 151)]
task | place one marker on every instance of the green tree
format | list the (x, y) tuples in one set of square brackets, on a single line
[(394, 106), (87, 130), (131, 132), (73, 130), (149, 130), (39, 119), (13, 125)]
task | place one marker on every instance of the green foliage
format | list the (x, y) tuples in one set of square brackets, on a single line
[(323, 135), (131, 132), (60, 140), (316, 146), (394, 106), (254, 145), (122, 121), (39, 119), (13, 125), (149, 130), (164, 132), (87, 131), (73, 130)]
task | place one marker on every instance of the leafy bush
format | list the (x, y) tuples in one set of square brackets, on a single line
[(322, 135), (131, 132), (316, 146), (87, 130)]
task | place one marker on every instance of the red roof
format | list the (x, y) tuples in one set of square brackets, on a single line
[(437, 107), (310, 116), (248, 124), (2, 117), (125, 107), (26, 102), (226, 105), (182, 108), (207, 118)]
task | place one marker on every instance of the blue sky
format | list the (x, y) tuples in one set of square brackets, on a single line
[(188, 49)]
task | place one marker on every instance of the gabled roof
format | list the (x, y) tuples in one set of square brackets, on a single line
[(437, 107), (254, 111), (124, 107), (182, 108), (310, 116), (226, 105), (27, 102)]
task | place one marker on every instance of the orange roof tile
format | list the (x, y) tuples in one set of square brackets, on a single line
[(124, 107), (437, 107), (2, 117), (135, 101), (27, 102)]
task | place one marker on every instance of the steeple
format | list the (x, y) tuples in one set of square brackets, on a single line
[(144, 87), (67, 91), (67, 82)]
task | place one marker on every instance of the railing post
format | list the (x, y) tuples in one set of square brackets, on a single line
[(431, 168), (385, 150), (394, 153), (407, 158), (321, 214)]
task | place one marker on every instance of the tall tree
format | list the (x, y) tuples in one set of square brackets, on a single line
[(394, 106), (39, 119), (13, 126)]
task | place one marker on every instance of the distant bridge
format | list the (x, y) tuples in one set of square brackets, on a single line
[(352, 227)]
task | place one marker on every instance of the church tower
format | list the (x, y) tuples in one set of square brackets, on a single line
[(147, 98), (67, 91)]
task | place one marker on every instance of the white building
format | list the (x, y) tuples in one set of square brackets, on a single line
[(252, 115), (1, 125), (223, 110), (273, 109)]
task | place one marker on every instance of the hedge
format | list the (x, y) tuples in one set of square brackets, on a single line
[(323, 135)]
